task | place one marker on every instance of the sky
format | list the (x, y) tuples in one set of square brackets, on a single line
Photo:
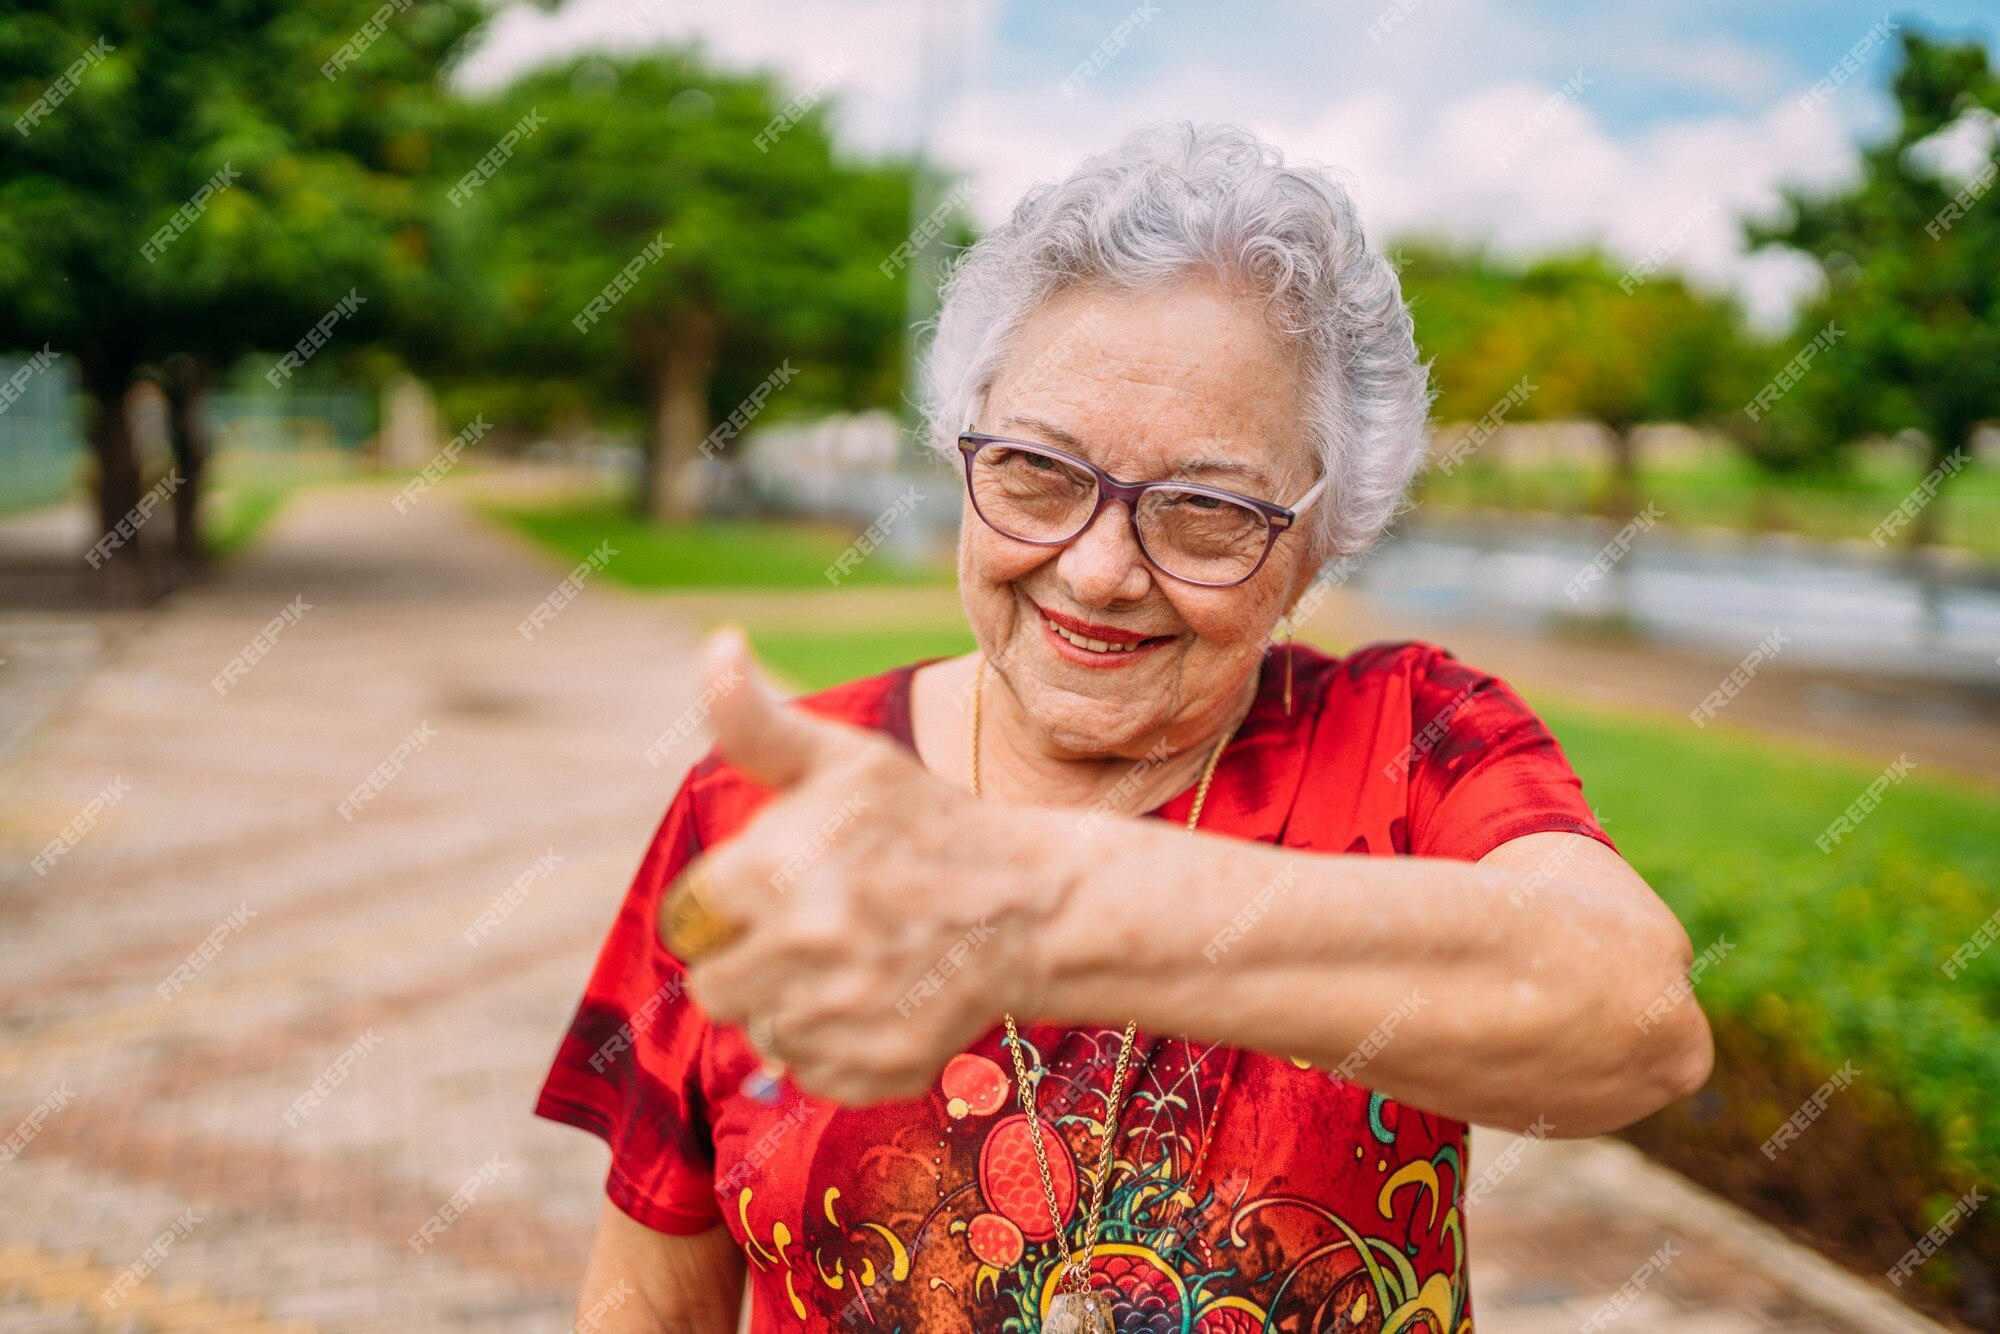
[(1531, 125)]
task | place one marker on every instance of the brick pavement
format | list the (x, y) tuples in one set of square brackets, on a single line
[(163, 1120)]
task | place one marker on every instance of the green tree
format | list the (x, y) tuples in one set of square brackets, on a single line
[(1911, 259), (222, 178), (654, 228), (1593, 345)]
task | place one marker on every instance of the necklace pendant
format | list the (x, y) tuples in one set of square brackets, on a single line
[(1078, 1313)]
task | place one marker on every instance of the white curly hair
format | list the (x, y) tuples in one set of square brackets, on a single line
[(1175, 200)]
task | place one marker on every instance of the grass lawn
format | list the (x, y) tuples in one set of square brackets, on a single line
[(1844, 949), (708, 553), (236, 512)]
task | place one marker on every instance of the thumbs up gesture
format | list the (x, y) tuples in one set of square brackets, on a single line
[(875, 919)]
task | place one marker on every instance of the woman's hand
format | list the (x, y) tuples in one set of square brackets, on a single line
[(886, 918)]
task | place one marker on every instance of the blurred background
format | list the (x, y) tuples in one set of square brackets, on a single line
[(391, 393)]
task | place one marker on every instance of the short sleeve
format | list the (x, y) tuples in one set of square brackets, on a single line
[(629, 1068), (1482, 768)]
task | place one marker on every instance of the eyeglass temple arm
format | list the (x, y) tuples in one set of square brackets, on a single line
[(1305, 501)]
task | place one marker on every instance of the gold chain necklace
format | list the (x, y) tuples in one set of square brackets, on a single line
[(1081, 1311)]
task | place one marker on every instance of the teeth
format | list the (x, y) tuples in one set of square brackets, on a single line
[(1094, 645)]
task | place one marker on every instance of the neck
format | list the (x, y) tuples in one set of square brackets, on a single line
[(1016, 764)]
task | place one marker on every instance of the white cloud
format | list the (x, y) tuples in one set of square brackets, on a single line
[(1414, 120)]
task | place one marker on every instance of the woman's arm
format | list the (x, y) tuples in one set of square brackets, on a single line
[(1544, 985), (640, 1281)]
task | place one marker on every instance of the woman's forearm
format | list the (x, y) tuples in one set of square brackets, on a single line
[(1522, 991)]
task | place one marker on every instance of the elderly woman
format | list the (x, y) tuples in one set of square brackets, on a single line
[(1134, 971)]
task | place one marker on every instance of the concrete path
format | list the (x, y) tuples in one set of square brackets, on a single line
[(249, 1050)]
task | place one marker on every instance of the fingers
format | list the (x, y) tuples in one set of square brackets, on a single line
[(773, 743)]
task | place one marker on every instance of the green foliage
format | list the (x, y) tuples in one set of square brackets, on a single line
[(1844, 949), (707, 553), (776, 247), (1661, 351), (326, 195), (1912, 277)]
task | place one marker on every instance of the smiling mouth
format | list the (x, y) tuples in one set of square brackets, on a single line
[(1092, 644)]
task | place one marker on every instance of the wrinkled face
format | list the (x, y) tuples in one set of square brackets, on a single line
[(1187, 383)]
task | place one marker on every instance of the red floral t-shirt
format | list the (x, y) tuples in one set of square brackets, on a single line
[(1250, 1191)]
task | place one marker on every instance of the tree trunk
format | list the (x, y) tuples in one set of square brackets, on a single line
[(186, 384), (677, 414), (1621, 500), (121, 574)]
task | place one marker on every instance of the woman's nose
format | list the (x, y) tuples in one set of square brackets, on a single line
[(1103, 564)]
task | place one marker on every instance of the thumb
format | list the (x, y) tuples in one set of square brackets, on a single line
[(755, 730)]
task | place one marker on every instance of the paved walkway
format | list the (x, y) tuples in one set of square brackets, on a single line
[(154, 1106)]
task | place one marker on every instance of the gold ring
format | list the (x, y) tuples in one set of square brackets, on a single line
[(690, 927)]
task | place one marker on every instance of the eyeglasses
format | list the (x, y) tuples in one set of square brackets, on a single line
[(1197, 534)]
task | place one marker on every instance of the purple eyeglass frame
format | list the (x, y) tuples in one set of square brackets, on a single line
[(1277, 518)]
